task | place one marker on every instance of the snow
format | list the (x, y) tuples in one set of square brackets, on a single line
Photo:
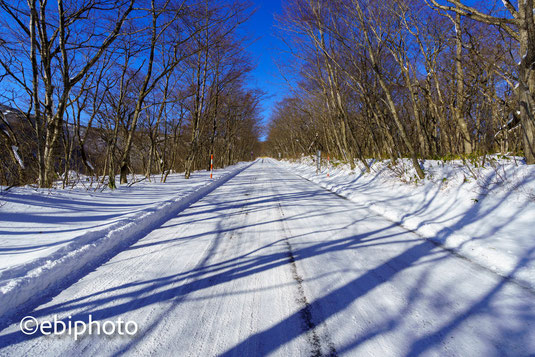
[(51, 237), (16, 153), (487, 218), (271, 264)]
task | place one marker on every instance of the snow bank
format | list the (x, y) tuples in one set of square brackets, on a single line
[(26, 284), (484, 213)]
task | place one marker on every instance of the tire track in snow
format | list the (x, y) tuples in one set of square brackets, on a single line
[(310, 327), (218, 246)]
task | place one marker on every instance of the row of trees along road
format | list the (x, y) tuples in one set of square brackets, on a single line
[(408, 78), (109, 87)]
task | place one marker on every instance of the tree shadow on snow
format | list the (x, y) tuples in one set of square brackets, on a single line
[(403, 251)]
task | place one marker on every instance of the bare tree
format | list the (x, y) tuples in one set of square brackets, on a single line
[(55, 39), (520, 26)]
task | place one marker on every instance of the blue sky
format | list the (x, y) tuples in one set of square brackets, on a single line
[(264, 50), (267, 47)]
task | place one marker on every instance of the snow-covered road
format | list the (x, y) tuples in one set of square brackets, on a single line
[(270, 263)]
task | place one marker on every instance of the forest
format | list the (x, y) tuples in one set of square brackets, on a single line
[(417, 79), (102, 88), (105, 89)]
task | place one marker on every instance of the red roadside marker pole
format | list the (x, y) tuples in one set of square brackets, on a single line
[(211, 165), (328, 160)]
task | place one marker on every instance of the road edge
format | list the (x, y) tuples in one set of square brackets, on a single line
[(28, 291)]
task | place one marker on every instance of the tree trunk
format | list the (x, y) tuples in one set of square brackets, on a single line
[(526, 87), (459, 78)]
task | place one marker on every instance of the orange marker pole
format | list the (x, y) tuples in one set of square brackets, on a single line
[(328, 160), (211, 165)]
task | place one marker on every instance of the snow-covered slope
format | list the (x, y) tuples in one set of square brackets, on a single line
[(49, 238), (269, 264), (486, 214)]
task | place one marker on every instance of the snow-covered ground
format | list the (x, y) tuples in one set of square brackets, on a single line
[(51, 237), (485, 213), (271, 264)]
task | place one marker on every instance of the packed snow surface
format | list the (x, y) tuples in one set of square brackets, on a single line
[(50, 238), (483, 212), (35, 223), (269, 263)]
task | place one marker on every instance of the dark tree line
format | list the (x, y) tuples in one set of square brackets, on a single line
[(408, 78), (110, 88)]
